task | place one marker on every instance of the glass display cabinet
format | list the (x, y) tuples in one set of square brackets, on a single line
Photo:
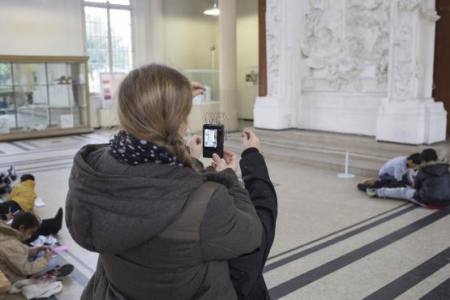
[(43, 96)]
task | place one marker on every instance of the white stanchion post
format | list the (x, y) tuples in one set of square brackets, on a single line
[(346, 174)]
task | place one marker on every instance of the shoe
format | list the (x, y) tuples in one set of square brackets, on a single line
[(372, 193), (58, 221), (362, 187), (64, 271)]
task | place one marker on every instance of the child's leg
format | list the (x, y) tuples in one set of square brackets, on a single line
[(398, 193), (48, 226)]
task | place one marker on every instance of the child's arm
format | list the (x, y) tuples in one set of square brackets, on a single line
[(32, 252), (17, 257)]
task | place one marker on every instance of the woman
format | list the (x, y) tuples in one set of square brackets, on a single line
[(163, 230)]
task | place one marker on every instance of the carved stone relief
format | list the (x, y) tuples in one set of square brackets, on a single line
[(406, 68), (346, 45), (273, 35)]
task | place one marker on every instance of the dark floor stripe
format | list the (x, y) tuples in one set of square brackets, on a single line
[(51, 149), (29, 144), (81, 138), (43, 169), (304, 279), (337, 232), (413, 277), (337, 239), (36, 160), (441, 292), (17, 145)]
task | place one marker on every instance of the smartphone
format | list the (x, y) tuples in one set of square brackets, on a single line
[(213, 136)]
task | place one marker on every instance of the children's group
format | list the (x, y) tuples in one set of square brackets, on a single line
[(421, 178), (28, 260)]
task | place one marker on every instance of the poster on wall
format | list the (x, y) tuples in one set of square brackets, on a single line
[(109, 85)]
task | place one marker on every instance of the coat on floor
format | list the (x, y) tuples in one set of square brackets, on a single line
[(433, 184), (163, 232)]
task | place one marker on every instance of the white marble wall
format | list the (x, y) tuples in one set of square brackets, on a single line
[(352, 66)]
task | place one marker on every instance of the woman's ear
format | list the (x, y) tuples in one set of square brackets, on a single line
[(21, 228)]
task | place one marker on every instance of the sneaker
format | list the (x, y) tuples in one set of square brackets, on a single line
[(64, 271), (362, 187), (372, 193)]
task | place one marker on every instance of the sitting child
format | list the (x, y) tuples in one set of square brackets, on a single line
[(24, 193), (431, 185), (397, 172), (19, 261)]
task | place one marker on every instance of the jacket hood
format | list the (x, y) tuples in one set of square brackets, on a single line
[(8, 233), (112, 207), (436, 169)]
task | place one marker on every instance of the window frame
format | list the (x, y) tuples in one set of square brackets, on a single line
[(108, 6)]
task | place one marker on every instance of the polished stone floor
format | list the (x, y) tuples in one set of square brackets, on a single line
[(332, 242)]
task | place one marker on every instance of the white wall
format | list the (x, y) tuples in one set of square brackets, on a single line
[(189, 34), (41, 27)]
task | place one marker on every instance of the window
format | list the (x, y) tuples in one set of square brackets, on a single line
[(108, 38)]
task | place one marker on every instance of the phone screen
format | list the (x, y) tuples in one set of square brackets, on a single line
[(210, 138)]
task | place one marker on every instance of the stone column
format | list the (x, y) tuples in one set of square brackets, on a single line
[(156, 28), (409, 114), (228, 63), (278, 109)]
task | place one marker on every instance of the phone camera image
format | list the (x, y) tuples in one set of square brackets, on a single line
[(210, 138), (213, 137)]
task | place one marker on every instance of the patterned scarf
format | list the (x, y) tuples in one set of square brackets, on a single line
[(130, 150)]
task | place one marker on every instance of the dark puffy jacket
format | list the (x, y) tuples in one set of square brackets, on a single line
[(433, 184), (247, 270), (158, 236)]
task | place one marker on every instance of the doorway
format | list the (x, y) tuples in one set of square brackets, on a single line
[(441, 90)]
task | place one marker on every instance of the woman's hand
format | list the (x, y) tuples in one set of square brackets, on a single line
[(195, 146), (197, 88), (250, 140), (229, 161)]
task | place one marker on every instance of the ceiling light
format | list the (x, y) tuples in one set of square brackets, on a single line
[(214, 11)]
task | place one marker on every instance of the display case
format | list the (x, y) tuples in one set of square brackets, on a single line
[(43, 96)]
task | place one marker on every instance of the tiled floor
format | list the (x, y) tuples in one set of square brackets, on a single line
[(332, 241)]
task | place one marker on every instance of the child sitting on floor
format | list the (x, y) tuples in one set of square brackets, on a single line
[(431, 185), (19, 261), (397, 172), (24, 193)]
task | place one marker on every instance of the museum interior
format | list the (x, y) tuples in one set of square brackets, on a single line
[(333, 115)]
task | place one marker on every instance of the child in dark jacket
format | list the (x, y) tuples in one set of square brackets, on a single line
[(431, 185)]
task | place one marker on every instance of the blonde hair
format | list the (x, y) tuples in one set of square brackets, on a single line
[(154, 102)]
